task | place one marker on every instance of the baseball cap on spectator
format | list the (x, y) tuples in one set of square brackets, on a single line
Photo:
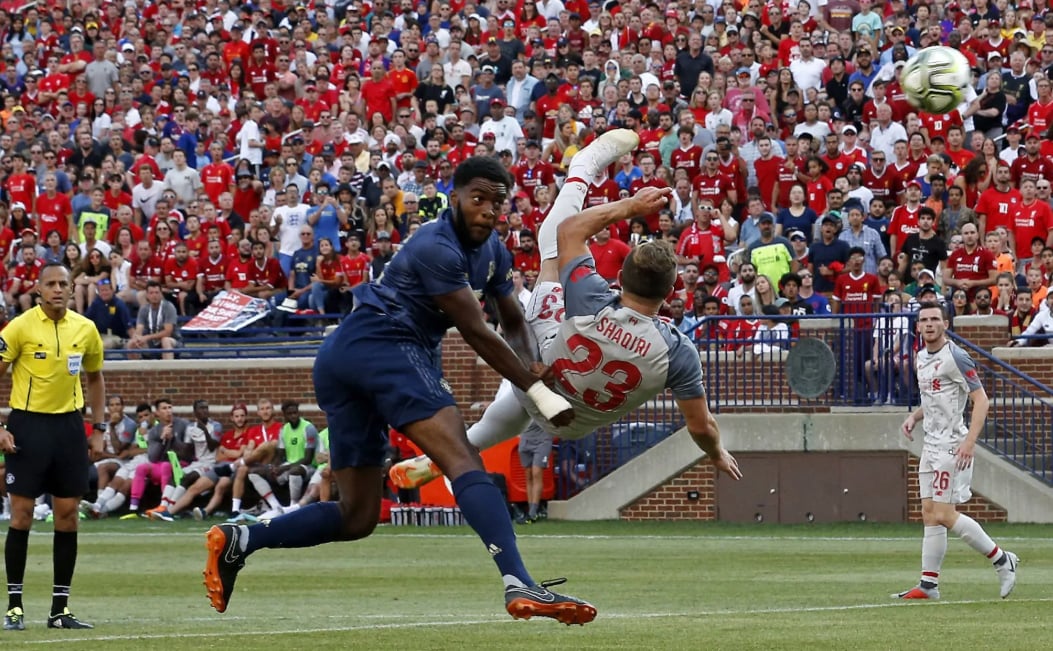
[(508, 22), (828, 218), (670, 13), (995, 54), (243, 174), (929, 273), (420, 165), (27, 231), (766, 217), (562, 42), (383, 235), (797, 236), (742, 72), (522, 195), (355, 139), (127, 47), (384, 164), (733, 28), (18, 205), (895, 28), (779, 302), (378, 38), (489, 135), (927, 288), (914, 183), (488, 69), (849, 128), (497, 102), (431, 38), (1033, 134), (533, 143), (307, 124), (475, 17)]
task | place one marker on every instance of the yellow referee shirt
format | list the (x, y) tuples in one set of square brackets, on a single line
[(48, 357)]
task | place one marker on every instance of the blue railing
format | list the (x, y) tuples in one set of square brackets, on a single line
[(745, 364), (1020, 421)]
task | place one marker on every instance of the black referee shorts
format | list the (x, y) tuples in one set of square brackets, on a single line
[(52, 455)]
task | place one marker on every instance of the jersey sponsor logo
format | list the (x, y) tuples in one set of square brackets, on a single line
[(40, 355)]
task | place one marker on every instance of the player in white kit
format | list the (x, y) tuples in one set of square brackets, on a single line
[(608, 352), (948, 380)]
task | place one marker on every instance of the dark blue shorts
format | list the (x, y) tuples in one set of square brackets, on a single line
[(371, 374)]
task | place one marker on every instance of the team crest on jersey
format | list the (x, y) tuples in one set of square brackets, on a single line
[(3, 345), (10, 478), (445, 386)]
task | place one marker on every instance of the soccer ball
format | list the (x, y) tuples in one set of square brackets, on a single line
[(934, 78)]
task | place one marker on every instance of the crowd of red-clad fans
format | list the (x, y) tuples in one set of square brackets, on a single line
[(168, 151)]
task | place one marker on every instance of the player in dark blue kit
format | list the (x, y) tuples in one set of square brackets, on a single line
[(381, 368)]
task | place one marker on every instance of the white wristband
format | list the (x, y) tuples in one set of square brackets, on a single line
[(549, 403)]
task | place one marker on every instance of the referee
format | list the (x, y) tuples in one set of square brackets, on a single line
[(47, 451)]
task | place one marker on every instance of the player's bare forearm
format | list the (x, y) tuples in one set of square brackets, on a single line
[(96, 395), (498, 354), (467, 316), (514, 325), (981, 406)]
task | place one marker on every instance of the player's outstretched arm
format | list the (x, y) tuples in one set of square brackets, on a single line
[(704, 430), (467, 316), (573, 234)]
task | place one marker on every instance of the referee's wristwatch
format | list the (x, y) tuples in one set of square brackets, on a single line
[(99, 427)]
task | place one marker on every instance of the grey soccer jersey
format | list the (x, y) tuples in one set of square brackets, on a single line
[(608, 359), (946, 378)]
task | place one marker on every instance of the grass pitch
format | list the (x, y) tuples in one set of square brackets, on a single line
[(656, 586)]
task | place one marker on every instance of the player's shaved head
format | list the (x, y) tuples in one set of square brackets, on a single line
[(650, 270)]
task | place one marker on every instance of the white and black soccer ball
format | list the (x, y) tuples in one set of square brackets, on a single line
[(934, 79)]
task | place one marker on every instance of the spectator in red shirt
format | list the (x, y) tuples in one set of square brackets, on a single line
[(609, 254), (527, 259), (180, 278), (24, 278), (971, 266)]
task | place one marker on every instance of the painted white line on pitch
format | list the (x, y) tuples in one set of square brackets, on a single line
[(503, 620), (556, 536)]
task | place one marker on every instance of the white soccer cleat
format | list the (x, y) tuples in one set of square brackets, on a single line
[(590, 162), (1007, 574)]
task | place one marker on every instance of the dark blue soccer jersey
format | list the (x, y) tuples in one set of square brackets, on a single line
[(431, 263)]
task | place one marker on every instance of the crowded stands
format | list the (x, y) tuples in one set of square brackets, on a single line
[(169, 151)]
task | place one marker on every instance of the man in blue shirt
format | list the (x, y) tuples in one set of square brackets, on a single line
[(381, 367), (110, 315)]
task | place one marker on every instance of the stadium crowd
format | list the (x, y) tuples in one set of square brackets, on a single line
[(168, 151)]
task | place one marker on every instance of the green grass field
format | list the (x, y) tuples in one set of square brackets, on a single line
[(657, 586)]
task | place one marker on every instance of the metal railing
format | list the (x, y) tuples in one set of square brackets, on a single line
[(745, 362), (1020, 421)]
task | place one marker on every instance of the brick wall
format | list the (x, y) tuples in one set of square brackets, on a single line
[(669, 500)]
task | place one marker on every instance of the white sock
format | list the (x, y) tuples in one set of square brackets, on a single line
[(114, 503), (933, 549), (502, 420), (569, 202), (178, 493), (105, 495), (264, 489), (973, 534), (295, 488), (511, 580), (235, 504), (166, 496), (243, 538)]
